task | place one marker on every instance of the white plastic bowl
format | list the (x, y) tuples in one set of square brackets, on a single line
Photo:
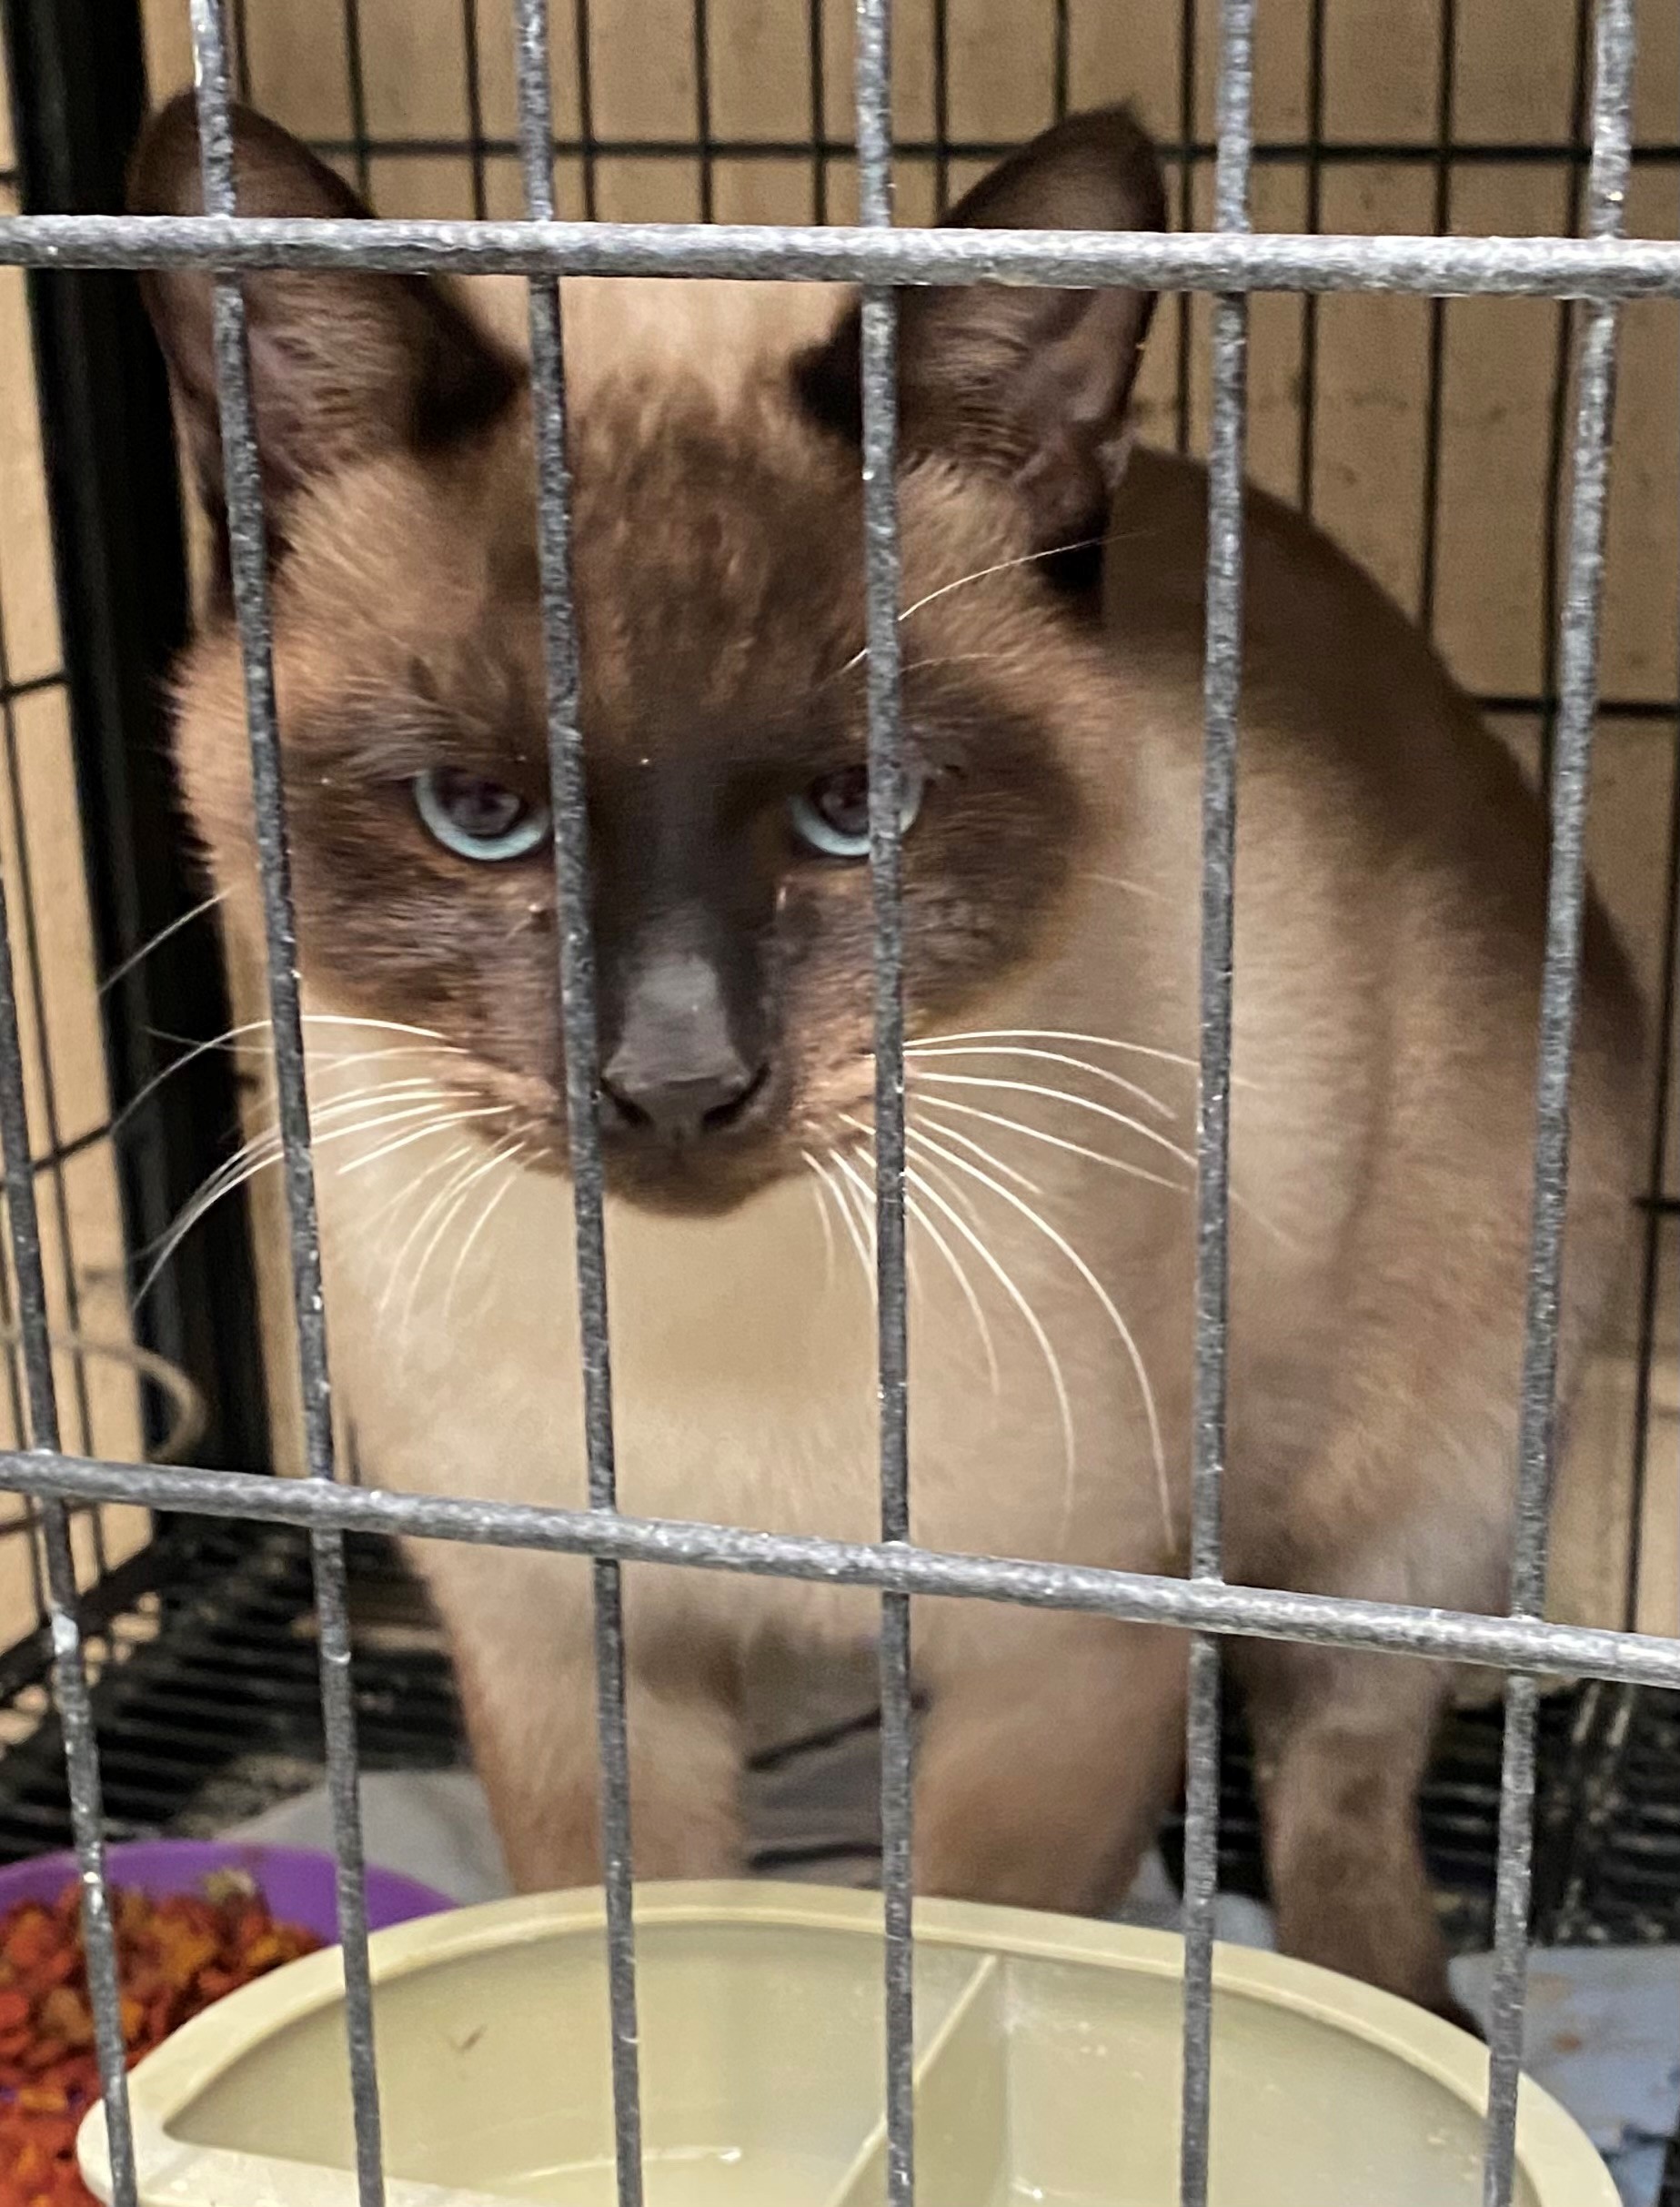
[(1047, 2069)]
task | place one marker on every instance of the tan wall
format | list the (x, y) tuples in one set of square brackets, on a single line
[(1359, 365)]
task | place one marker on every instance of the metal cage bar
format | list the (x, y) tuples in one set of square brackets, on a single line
[(1446, 91), (879, 371), (1602, 268), (1571, 768), (1306, 446), (816, 70), (705, 137), (589, 146), (78, 92), (472, 71), (1557, 433), (1136, 1598), (52, 1168), (1285, 152), (940, 30), (247, 555), (1658, 1207), (69, 1667), (579, 1036), (1222, 680), (12, 1370), (912, 148), (1186, 195), (356, 84)]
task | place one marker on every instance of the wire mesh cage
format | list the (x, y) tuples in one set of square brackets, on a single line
[(1557, 1815)]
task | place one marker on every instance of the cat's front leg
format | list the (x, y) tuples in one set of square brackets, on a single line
[(1341, 1743), (520, 1630), (1051, 1751)]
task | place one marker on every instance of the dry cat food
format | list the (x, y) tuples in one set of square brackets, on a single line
[(175, 1957)]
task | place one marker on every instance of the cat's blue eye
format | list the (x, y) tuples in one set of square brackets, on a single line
[(832, 814), (475, 817)]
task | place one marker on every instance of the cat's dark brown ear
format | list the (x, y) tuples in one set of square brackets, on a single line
[(1029, 384), (343, 366)]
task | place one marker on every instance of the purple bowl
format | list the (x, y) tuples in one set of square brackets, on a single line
[(297, 1883)]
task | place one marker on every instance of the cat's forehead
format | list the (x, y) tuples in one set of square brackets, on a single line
[(716, 559), (714, 562), (717, 548), (716, 552)]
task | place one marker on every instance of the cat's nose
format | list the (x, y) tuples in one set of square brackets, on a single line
[(685, 1057), (679, 1107)]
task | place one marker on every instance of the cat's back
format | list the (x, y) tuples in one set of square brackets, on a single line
[(1362, 761)]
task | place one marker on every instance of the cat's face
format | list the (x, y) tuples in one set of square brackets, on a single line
[(718, 595)]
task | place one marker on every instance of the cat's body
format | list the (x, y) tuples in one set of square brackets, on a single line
[(1390, 894)]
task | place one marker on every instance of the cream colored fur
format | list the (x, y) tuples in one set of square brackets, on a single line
[(1387, 972)]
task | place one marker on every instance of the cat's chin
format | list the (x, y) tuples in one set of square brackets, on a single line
[(674, 1186), (697, 1196)]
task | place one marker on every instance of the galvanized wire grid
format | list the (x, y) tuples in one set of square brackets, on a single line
[(94, 676), (1603, 269), (59, 1151), (12, 693)]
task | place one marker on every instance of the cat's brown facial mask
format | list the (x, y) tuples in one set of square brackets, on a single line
[(719, 611)]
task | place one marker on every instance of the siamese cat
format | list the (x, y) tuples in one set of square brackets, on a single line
[(1390, 896)]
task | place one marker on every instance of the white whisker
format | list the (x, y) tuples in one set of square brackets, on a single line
[(227, 1041), (1134, 1354), (263, 1146), (962, 1277), (350, 1117), (318, 1019), (512, 1158), (980, 574), (919, 1104), (469, 1154), (1037, 1133), (221, 1183), (336, 1106), (1057, 1035), (457, 1204), (384, 1026), (335, 1061), (163, 936), (407, 1188), (965, 1199), (923, 1050), (1068, 1034), (998, 567), (970, 1296), (863, 1194), (253, 1157), (1238, 1201), (1119, 881), (1062, 1095), (947, 659), (402, 1141), (412, 1187), (867, 1202), (859, 1235), (1053, 1363), (824, 1196)]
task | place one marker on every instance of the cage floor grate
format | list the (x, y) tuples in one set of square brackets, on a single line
[(210, 1712)]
